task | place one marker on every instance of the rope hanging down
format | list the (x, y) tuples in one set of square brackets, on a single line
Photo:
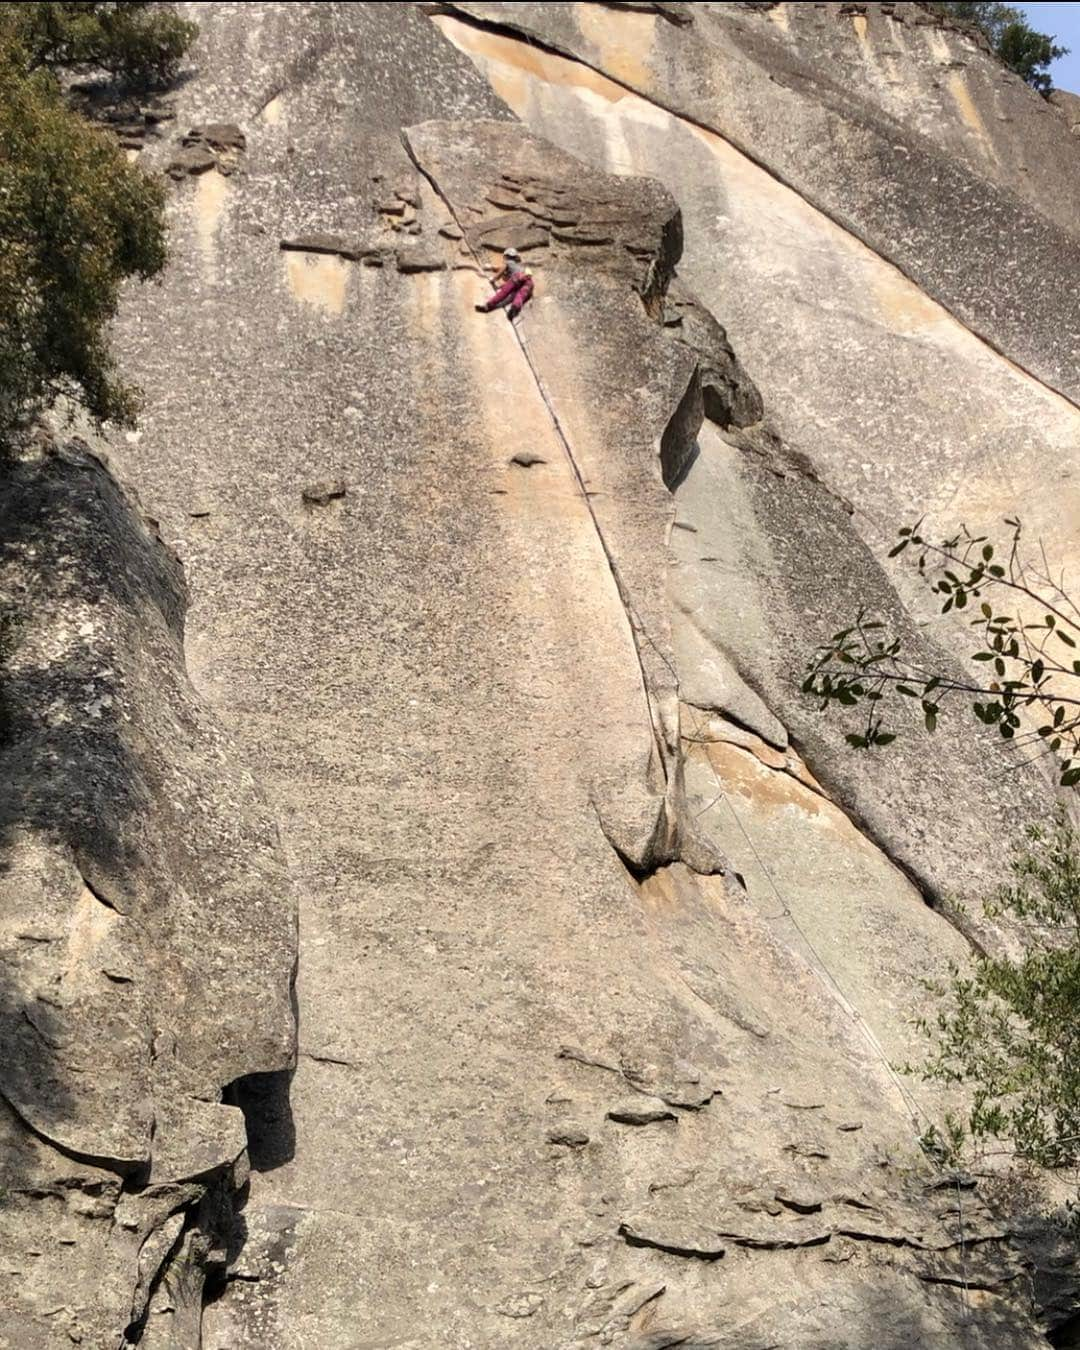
[(911, 1106), (633, 619)]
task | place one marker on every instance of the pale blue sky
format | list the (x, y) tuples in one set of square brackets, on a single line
[(1063, 21)]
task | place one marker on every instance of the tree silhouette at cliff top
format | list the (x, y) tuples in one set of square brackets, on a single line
[(1023, 49), (76, 218)]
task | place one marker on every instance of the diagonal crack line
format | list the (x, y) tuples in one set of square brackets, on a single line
[(516, 33), (633, 621)]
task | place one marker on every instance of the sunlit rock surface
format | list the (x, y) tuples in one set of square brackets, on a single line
[(609, 948)]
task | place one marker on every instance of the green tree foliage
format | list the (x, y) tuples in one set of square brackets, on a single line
[(1025, 678), (138, 43), (1015, 42), (991, 18), (1008, 1028), (76, 218), (1030, 54)]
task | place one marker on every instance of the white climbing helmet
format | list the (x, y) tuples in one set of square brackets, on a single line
[(511, 253)]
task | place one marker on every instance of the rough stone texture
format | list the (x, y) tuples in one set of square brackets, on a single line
[(606, 954), (1068, 105), (147, 943), (905, 131), (855, 386), (899, 407)]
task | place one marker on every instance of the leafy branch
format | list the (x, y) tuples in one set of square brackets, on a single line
[(1026, 681)]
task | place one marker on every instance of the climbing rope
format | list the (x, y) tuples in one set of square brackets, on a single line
[(639, 630), (633, 619), (912, 1107), (910, 1104), (636, 627)]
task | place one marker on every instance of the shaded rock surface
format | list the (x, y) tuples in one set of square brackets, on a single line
[(608, 947), (148, 937)]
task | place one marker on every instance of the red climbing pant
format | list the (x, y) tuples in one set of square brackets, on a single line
[(516, 289)]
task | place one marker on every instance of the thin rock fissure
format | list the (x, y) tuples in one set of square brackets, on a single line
[(634, 625)]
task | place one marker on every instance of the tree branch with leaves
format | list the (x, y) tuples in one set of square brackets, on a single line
[(1025, 681), (1008, 1028)]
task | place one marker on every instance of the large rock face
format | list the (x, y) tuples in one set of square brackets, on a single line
[(609, 949)]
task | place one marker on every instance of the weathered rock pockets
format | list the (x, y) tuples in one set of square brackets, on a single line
[(147, 937), (940, 213)]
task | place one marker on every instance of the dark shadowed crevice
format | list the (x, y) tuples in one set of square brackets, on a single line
[(136, 1328), (1066, 1336), (707, 1253), (678, 443), (264, 1100)]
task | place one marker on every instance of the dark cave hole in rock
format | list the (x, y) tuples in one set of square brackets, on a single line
[(264, 1100)]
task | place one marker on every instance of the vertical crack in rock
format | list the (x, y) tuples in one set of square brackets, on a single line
[(776, 580), (634, 624), (444, 1021), (673, 834)]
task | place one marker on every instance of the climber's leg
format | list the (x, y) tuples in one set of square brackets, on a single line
[(501, 296), (521, 296)]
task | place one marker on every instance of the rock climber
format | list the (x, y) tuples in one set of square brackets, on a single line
[(515, 285)]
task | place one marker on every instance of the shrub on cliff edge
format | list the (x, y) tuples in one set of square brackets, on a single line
[(1007, 1027), (1026, 52)]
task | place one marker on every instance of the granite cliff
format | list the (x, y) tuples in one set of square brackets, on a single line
[(479, 648)]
